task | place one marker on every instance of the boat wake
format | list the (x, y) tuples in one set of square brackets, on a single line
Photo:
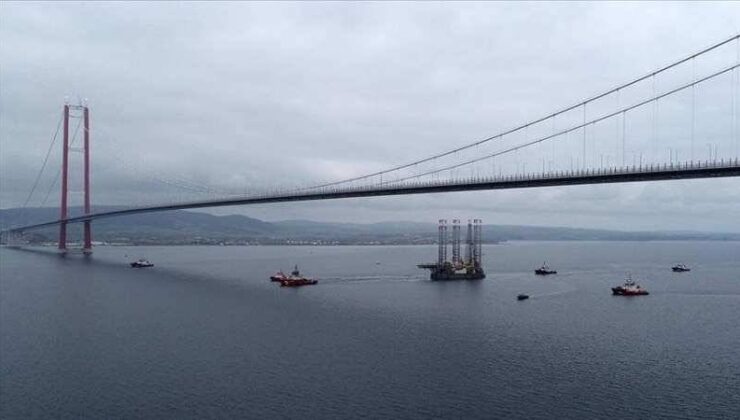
[(558, 293), (705, 294), (371, 279)]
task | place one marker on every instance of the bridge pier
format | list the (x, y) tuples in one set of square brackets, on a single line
[(87, 247), (62, 246)]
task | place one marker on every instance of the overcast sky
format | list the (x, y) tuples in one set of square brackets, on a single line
[(243, 96)]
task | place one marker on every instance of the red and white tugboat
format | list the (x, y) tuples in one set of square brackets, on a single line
[(629, 288), (294, 280)]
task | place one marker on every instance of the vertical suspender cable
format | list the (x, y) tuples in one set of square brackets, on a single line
[(693, 107), (584, 136), (552, 143), (653, 144), (736, 93), (526, 137), (624, 138), (616, 128)]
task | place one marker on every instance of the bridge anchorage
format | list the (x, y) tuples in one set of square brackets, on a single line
[(75, 111)]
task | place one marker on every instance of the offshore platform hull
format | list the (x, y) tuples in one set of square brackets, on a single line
[(457, 276), (446, 272)]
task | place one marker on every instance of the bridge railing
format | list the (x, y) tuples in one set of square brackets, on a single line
[(530, 176), (568, 177)]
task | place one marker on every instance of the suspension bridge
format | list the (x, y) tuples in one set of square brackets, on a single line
[(679, 108)]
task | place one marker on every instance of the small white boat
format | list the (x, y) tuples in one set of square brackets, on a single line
[(141, 263), (680, 268)]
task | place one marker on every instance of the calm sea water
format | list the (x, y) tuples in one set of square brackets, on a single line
[(205, 335)]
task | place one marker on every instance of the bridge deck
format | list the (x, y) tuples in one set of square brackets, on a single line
[(604, 176)]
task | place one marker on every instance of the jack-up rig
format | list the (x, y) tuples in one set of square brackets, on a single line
[(458, 269)]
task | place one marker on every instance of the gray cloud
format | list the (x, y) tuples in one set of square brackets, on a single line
[(244, 96)]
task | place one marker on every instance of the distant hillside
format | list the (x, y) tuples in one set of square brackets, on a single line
[(166, 227), (184, 227)]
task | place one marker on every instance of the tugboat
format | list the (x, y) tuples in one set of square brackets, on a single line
[(294, 280), (279, 276), (298, 282), (544, 270), (522, 297), (141, 263), (680, 268), (629, 288)]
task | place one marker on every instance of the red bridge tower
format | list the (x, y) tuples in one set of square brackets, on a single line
[(64, 212)]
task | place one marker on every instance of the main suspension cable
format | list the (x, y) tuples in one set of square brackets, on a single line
[(574, 128), (46, 160), (537, 121)]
